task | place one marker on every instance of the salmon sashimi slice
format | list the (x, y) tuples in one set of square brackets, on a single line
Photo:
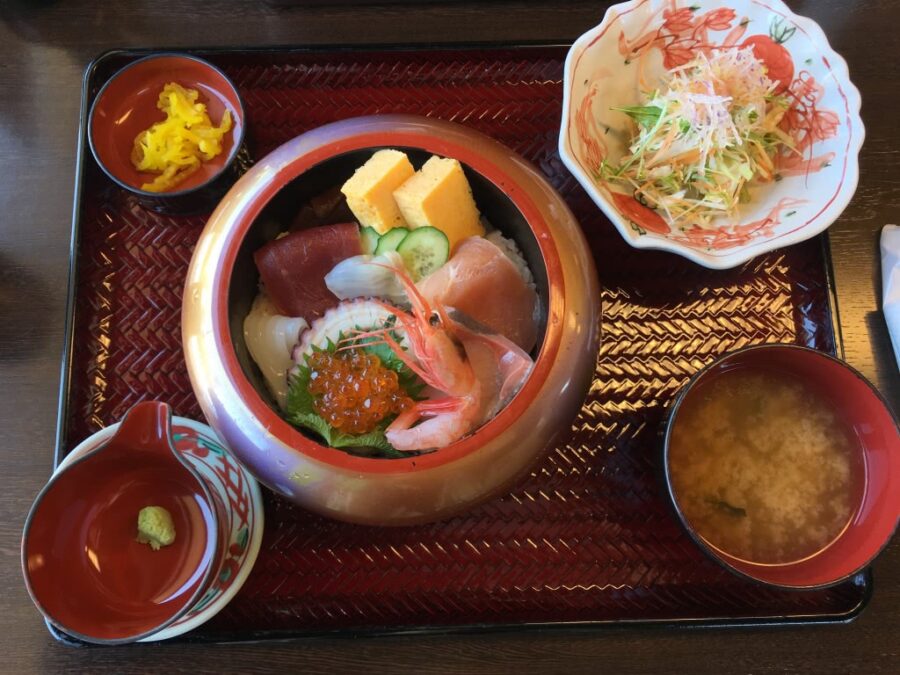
[(480, 281), (293, 268)]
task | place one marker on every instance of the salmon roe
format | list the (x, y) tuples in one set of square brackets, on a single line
[(353, 391)]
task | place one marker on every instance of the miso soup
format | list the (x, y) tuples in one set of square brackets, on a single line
[(763, 468)]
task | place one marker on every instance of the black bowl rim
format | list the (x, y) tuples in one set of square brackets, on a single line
[(229, 161), (692, 533)]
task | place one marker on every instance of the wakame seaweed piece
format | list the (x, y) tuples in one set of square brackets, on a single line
[(727, 508)]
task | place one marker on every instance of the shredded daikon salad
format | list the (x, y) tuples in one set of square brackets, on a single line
[(702, 139)]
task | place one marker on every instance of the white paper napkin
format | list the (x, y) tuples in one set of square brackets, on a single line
[(890, 281)]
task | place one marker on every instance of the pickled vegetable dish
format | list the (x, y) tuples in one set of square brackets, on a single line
[(177, 147)]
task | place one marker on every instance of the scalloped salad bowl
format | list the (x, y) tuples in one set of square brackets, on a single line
[(637, 42)]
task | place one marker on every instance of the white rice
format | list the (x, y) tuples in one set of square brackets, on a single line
[(512, 251)]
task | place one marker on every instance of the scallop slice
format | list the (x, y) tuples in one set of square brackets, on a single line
[(271, 338)]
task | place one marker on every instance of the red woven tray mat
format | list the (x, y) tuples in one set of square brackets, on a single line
[(589, 536)]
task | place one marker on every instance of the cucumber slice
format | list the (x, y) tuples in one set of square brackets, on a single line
[(390, 240), (423, 251), (370, 237)]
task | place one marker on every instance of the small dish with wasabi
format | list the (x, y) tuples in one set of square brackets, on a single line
[(155, 499)]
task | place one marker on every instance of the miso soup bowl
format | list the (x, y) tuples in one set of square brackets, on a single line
[(877, 444), (222, 282)]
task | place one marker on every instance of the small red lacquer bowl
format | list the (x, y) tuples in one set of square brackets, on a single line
[(83, 566), (127, 105), (877, 441)]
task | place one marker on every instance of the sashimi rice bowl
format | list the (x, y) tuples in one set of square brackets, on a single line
[(386, 332)]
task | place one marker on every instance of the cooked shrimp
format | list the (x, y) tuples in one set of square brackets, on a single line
[(449, 419), (441, 364)]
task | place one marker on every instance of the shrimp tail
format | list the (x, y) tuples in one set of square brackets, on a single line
[(427, 408), (448, 420)]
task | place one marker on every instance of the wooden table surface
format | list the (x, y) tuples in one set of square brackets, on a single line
[(44, 47)]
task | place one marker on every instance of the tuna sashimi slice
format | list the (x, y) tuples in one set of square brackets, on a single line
[(480, 281), (293, 268)]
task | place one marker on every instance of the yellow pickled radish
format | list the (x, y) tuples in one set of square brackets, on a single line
[(177, 146)]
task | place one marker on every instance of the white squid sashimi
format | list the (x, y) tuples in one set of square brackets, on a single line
[(271, 337), (366, 276)]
